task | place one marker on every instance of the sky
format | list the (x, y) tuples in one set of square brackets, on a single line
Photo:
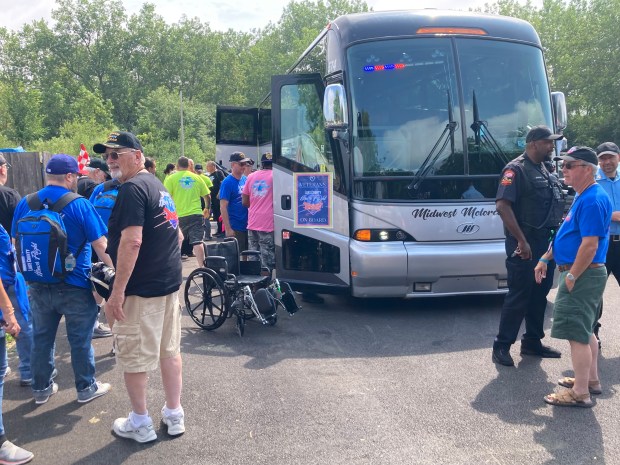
[(240, 15)]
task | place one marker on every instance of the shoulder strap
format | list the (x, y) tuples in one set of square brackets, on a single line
[(34, 202), (110, 185), (63, 201)]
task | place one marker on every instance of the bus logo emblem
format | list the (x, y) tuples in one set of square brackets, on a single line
[(467, 228)]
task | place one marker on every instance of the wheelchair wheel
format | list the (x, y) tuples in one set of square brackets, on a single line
[(206, 299)]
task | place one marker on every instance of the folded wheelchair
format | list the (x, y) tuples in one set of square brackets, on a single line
[(233, 284)]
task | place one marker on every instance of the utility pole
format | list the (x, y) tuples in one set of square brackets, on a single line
[(182, 129)]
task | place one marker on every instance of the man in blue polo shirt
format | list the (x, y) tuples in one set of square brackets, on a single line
[(579, 249), (72, 297)]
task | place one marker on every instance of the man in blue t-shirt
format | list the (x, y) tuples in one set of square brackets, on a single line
[(234, 214), (579, 249), (71, 298)]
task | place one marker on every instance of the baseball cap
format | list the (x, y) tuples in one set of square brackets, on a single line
[(3, 161), (266, 158), (99, 163), (117, 140), (198, 167), (62, 164), (607, 148), (542, 133), (239, 157), (580, 153)]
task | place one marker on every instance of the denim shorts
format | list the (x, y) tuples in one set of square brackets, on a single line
[(150, 331), (575, 313)]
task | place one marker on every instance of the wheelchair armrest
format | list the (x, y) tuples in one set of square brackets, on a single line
[(217, 264), (250, 253)]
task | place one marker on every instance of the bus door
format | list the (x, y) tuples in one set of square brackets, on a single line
[(311, 214), (236, 130)]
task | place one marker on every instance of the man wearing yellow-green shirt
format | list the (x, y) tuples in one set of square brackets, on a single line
[(187, 189), (206, 205)]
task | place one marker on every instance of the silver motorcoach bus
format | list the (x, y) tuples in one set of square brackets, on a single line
[(388, 136)]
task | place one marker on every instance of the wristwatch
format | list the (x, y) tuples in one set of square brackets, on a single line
[(570, 277)]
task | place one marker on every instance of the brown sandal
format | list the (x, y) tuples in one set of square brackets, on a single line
[(593, 386), (568, 398)]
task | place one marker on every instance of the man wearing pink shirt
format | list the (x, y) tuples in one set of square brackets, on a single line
[(257, 196)]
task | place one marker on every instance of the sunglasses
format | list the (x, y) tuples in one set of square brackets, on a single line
[(569, 165), (115, 155)]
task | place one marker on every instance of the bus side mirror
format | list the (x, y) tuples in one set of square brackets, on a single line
[(559, 110), (335, 107)]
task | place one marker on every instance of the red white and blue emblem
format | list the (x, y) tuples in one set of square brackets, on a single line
[(169, 211)]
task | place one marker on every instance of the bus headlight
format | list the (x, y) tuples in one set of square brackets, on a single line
[(381, 235)]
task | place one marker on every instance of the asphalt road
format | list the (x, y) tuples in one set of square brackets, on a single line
[(346, 382)]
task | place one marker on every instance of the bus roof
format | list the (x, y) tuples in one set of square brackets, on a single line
[(390, 24)]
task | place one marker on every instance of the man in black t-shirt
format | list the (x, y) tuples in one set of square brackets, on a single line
[(9, 198), (143, 309), (216, 177)]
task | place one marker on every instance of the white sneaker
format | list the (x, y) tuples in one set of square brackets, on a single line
[(85, 396), (176, 425), (123, 428), (12, 454)]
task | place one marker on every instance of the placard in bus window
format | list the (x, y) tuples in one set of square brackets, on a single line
[(313, 196)]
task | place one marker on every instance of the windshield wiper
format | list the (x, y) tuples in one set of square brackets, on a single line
[(432, 157), (483, 135)]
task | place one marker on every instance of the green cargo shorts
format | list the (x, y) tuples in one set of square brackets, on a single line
[(575, 313)]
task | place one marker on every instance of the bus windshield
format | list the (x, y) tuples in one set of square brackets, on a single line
[(438, 118)]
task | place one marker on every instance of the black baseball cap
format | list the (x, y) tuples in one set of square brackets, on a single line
[(607, 148), (579, 153), (239, 157), (542, 133), (266, 158), (3, 161), (98, 163), (118, 140)]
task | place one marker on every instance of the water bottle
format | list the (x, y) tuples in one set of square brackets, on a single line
[(70, 262)]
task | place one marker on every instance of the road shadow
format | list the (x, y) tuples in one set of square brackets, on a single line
[(345, 327), (569, 435)]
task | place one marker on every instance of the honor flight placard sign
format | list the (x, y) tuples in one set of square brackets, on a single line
[(313, 200)]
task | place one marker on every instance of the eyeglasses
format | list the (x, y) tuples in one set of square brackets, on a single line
[(569, 165), (115, 155)]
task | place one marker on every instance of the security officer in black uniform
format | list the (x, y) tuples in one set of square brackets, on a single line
[(530, 202)]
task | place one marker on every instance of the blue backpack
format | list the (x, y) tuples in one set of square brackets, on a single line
[(105, 200), (41, 240)]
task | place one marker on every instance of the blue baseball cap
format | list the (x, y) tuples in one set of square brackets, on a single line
[(62, 164)]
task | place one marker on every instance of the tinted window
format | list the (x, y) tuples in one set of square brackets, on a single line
[(408, 114)]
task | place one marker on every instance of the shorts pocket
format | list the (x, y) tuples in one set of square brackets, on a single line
[(126, 341)]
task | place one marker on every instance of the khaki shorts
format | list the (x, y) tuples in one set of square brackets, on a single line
[(151, 331)]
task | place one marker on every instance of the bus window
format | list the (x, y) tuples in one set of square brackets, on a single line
[(511, 95), (303, 134), (237, 127), (404, 94)]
